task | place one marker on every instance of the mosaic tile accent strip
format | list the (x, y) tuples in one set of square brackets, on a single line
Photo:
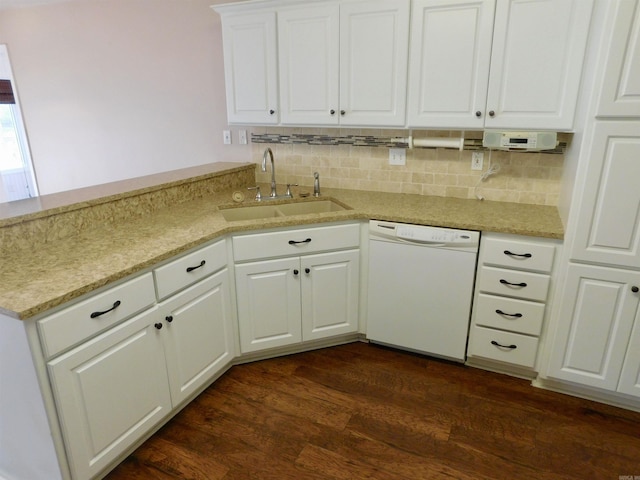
[(363, 141)]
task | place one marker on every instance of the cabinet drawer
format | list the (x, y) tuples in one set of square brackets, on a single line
[(190, 268), (83, 320), (295, 242), (518, 316), (513, 283), (524, 353), (517, 254)]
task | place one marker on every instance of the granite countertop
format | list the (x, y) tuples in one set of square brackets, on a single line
[(37, 280)]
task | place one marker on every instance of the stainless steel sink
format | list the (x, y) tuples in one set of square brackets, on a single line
[(257, 212)]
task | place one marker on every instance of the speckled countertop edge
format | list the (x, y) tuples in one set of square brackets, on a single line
[(35, 281)]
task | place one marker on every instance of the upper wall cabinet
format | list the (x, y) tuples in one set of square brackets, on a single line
[(620, 94), (496, 63), (344, 64), (251, 68)]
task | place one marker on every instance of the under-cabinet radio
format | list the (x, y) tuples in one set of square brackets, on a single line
[(519, 141)]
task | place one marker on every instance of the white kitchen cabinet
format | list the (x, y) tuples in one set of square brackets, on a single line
[(608, 225), (115, 377), (109, 392), (344, 63), (510, 302), (308, 293), (592, 343), (198, 335), (250, 67), (269, 310), (620, 93), (449, 62), (518, 69)]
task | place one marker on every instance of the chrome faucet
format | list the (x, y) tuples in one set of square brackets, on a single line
[(316, 184), (268, 151)]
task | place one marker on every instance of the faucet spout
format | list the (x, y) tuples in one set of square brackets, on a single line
[(268, 152)]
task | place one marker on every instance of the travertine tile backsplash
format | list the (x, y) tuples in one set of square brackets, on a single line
[(532, 178)]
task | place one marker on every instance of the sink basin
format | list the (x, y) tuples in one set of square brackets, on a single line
[(257, 212)]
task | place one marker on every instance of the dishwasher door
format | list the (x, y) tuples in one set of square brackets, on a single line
[(420, 296)]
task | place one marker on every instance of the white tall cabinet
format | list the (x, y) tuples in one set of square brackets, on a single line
[(597, 334), (496, 63)]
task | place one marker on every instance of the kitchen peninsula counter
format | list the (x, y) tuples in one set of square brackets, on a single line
[(44, 273)]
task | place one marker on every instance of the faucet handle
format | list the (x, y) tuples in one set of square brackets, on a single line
[(258, 194), (288, 193)]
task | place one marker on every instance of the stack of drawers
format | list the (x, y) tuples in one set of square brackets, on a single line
[(512, 286)]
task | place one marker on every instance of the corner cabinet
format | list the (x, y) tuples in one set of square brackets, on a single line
[(330, 63), (496, 63), (297, 285)]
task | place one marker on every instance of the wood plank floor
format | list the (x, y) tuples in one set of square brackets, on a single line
[(363, 411)]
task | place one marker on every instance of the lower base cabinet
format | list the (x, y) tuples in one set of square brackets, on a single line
[(285, 301), (112, 389), (109, 392), (597, 341)]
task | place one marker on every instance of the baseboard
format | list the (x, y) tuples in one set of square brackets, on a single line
[(615, 400)]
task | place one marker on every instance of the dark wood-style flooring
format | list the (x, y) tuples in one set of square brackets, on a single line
[(362, 411)]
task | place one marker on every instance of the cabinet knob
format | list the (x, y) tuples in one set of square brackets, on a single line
[(169, 318), (158, 325), (342, 112), (332, 112), (271, 112), (478, 114), (635, 289), (296, 272), (307, 271), (492, 113)]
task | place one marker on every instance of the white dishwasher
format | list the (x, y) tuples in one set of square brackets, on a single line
[(421, 287)]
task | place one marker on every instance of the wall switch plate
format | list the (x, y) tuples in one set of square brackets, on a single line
[(242, 137), (226, 137), (397, 156), (476, 160)]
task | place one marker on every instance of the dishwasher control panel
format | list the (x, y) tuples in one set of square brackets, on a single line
[(423, 235)]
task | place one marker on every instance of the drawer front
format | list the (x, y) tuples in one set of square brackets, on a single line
[(96, 314), (524, 353), (518, 316), (517, 254), (190, 268), (295, 242), (514, 283)]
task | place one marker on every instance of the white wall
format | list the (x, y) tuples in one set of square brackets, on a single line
[(114, 89)]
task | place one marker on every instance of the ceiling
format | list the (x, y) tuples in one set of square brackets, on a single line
[(5, 4)]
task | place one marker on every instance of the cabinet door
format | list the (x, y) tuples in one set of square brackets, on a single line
[(374, 39), (620, 95), (198, 336), (268, 296), (608, 222), (330, 294), (250, 67), (536, 63), (630, 377), (109, 391), (308, 47), (596, 317), (449, 62)]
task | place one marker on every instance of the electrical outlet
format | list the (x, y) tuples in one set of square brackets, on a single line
[(226, 137), (242, 137), (476, 160), (397, 156)]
